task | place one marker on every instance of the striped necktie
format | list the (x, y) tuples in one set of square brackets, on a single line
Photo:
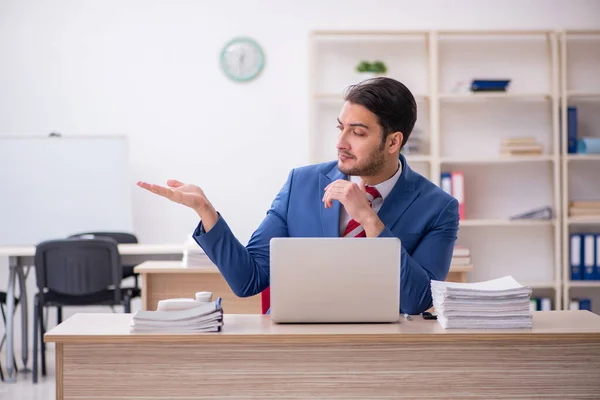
[(354, 229)]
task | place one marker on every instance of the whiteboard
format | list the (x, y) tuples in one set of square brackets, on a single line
[(52, 187)]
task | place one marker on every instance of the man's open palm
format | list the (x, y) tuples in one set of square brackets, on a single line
[(188, 195)]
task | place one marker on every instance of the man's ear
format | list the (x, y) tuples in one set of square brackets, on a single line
[(395, 141)]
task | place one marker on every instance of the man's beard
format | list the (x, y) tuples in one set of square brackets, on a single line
[(372, 165)]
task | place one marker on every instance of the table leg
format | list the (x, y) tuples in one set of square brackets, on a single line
[(10, 312), (24, 317)]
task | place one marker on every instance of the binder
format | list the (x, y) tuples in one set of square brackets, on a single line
[(546, 304), (576, 251), (533, 304), (574, 305), (572, 130), (585, 304), (458, 191), (446, 182), (589, 257), (597, 249)]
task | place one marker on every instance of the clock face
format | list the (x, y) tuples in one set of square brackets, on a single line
[(242, 59)]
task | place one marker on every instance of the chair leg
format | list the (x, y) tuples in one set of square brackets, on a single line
[(36, 318), (127, 304), (1, 374), (4, 339), (42, 344), (58, 315)]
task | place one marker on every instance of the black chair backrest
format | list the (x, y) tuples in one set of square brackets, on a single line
[(78, 266), (119, 237)]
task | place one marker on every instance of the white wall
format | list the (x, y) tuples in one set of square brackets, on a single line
[(149, 69)]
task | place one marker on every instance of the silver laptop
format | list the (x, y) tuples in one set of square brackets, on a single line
[(335, 280)]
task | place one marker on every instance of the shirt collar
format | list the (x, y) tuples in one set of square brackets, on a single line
[(385, 187)]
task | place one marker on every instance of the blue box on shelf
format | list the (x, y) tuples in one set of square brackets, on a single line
[(489, 85)]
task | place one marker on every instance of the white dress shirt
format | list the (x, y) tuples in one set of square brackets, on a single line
[(384, 189)]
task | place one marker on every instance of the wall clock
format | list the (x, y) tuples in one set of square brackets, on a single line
[(242, 59)]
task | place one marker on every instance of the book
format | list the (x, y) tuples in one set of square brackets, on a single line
[(495, 304), (489, 85), (204, 317), (461, 251), (572, 130), (457, 181)]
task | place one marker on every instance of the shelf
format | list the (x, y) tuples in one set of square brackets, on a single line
[(581, 95), (332, 98), (369, 36), (583, 221), (498, 160), (505, 222), (470, 96), (583, 284), (583, 157), (549, 69)]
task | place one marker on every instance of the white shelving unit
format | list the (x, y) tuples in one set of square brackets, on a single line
[(580, 87), (463, 131)]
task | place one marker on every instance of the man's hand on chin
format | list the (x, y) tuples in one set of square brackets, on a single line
[(354, 199)]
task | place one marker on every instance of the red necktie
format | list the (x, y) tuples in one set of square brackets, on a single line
[(354, 229)]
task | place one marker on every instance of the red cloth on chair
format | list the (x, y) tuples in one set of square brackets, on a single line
[(265, 298)]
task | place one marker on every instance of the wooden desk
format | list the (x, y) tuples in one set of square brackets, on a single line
[(170, 279), (97, 357)]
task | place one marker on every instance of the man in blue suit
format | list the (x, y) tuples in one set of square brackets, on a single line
[(369, 191)]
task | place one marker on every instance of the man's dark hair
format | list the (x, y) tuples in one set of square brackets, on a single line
[(391, 101)]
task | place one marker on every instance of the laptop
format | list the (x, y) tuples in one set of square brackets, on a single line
[(335, 280)]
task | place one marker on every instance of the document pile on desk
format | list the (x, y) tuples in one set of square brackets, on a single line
[(497, 304), (181, 315), (194, 256)]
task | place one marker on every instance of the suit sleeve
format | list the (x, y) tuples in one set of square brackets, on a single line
[(430, 260), (246, 268)]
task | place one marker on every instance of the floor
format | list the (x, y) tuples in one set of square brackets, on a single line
[(23, 388)]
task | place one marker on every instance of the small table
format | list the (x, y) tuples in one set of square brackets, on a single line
[(171, 279), (21, 257)]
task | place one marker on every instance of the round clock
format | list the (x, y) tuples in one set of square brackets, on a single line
[(242, 59)]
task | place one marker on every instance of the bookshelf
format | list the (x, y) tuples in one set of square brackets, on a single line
[(580, 88), (461, 131)]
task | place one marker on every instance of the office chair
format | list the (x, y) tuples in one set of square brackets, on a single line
[(2, 304), (120, 238), (74, 272)]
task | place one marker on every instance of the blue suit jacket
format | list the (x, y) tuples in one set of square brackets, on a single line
[(423, 216)]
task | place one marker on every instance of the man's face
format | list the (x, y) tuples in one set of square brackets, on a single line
[(360, 148)]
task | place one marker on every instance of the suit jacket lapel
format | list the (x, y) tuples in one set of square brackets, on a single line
[(400, 198), (330, 217)]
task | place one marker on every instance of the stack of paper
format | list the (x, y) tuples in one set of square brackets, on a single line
[(584, 209), (497, 304), (461, 256), (521, 146), (199, 317), (195, 258)]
